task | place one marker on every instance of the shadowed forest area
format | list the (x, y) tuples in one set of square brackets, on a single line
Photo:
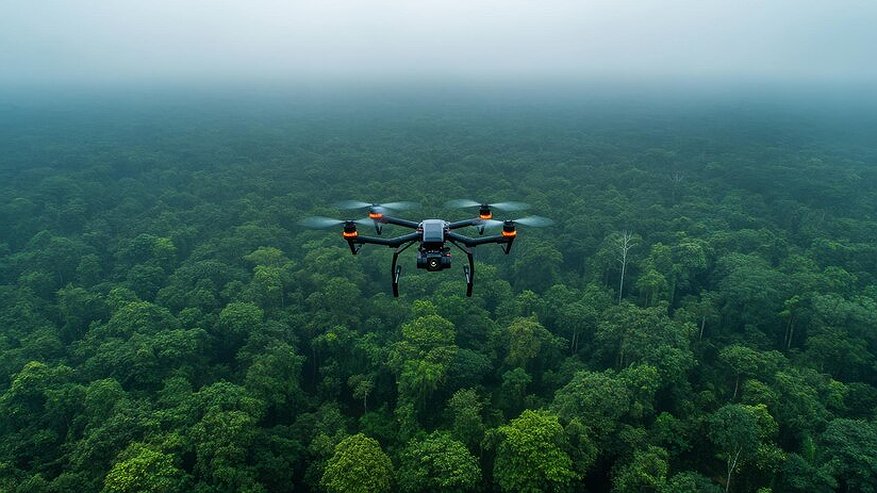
[(166, 325)]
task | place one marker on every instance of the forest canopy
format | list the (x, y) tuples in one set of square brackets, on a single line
[(702, 316)]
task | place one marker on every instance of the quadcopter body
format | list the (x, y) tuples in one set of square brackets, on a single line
[(433, 237), (432, 254)]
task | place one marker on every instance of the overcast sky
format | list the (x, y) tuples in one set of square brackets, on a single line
[(170, 40)]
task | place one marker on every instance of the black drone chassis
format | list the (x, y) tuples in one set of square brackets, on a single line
[(402, 242)]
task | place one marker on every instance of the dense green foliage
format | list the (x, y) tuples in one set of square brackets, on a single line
[(166, 325)]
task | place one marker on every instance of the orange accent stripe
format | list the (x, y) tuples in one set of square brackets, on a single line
[(375, 215), (509, 234), (486, 216), (353, 234)]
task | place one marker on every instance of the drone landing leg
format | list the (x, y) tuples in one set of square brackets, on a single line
[(396, 274), (396, 270), (469, 271)]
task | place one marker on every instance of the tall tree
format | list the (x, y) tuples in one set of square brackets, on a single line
[(849, 448), (531, 455), (438, 463), (645, 472), (625, 242), (143, 469), (738, 431), (358, 466)]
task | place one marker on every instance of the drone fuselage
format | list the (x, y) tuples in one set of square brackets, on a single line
[(432, 254)]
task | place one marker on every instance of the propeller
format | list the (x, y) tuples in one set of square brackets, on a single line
[(357, 204), (503, 206), (533, 221), (322, 222)]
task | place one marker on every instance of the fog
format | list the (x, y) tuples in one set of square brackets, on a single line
[(167, 41)]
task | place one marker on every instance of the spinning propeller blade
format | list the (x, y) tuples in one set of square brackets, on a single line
[(358, 204), (461, 204), (400, 206), (503, 206), (532, 221), (321, 222), (510, 206), (353, 204)]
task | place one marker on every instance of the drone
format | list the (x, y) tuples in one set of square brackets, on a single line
[(431, 235)]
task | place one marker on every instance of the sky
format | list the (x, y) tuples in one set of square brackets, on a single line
[(108, 41)]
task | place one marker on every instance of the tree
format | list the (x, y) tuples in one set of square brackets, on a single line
[(465, 408), (690, 482), (423, 356), (223, 458), (646, 471), (358, 465), (646, 335), (747, 362), (536, 266), (751, 292), (143, 469), (576, 319), (699, 311), (361, 387), (514, 389), (274, 377), (653, 287), (236, 322), (531, 455), (79, 308), (576, 313), (603, 401), (36, 412), (438, 463), (839, 335), (624, 243), (802, 475), (135, 316), (803, 396), (849, 448), (738, 431), (522, 340)]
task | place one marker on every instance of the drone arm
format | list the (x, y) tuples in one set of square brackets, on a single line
[(505, 241), (464, 223), (400, 222), (390, 242), (473, 242)]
